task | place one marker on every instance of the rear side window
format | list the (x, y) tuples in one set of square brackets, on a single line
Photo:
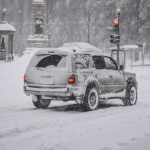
[(52, 61), (99, 62), (81, 61)]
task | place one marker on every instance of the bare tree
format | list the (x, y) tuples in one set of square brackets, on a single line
[(137, 11), (90, 17)]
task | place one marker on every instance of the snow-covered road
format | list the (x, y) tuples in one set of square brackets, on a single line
[(64, 126)]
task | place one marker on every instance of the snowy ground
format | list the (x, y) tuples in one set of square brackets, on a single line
[(64, 126)]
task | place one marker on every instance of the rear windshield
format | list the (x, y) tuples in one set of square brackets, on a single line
[(44, 61), (81, 61), (52, 61)]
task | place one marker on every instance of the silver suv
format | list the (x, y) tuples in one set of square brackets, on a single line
[(84, 76)]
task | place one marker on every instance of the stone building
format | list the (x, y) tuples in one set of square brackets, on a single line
[(6, 49), (38, 32)]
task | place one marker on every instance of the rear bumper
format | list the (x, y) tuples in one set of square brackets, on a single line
[(53, 92)]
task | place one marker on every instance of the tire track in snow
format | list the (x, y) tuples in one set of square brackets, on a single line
[(63, 124)]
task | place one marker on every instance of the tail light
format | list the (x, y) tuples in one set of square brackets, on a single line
[(25, 79), (71, 80)]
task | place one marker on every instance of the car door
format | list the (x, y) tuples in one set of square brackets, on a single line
[(115, 77), (100, 73)]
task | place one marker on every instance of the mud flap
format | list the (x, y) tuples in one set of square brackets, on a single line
[(34, 98), (79, 99)]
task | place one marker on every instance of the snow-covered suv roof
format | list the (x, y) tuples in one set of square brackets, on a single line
[(72, 48), (51, 51), (82, 47)]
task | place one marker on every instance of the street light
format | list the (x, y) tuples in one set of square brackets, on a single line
[(4, 14), (49, 37), (118, 12)]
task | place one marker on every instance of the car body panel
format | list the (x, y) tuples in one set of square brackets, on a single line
[(115, 81), (102, 77)]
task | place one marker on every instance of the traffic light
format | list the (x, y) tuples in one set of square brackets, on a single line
[(116, 25), (112, 38), (116, 22)]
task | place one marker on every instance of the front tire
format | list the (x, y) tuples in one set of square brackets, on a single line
[(41, 103), (131, 96), (91, 100)]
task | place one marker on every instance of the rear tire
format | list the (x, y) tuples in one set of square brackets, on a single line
[(91, 99), (131, 96), (41, 103)]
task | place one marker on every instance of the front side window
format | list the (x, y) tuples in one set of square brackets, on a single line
[(110, 63), (99, 62), (52, 61)]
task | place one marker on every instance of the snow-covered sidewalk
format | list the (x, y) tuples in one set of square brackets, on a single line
[(64, 126)]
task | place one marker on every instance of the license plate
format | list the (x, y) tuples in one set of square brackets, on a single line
[(44, 80)]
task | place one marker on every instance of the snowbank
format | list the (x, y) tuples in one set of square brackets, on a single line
[(27, 55)]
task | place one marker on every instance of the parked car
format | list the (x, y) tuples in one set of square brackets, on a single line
[(82, 75)]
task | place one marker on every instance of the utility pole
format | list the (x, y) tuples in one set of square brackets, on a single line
[(118, 11), (49, 37), (4, 10)]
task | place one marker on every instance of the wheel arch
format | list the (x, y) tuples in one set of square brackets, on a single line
[(92, 84), (130, 82)]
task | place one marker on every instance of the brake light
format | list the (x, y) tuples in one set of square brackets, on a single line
[(51, 52), (71, 80), (25, 79)]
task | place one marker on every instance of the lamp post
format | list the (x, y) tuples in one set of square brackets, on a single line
[(118, 12), (49, 37), (4, 14)]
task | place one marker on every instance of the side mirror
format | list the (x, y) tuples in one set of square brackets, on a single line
[(121, 67)]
